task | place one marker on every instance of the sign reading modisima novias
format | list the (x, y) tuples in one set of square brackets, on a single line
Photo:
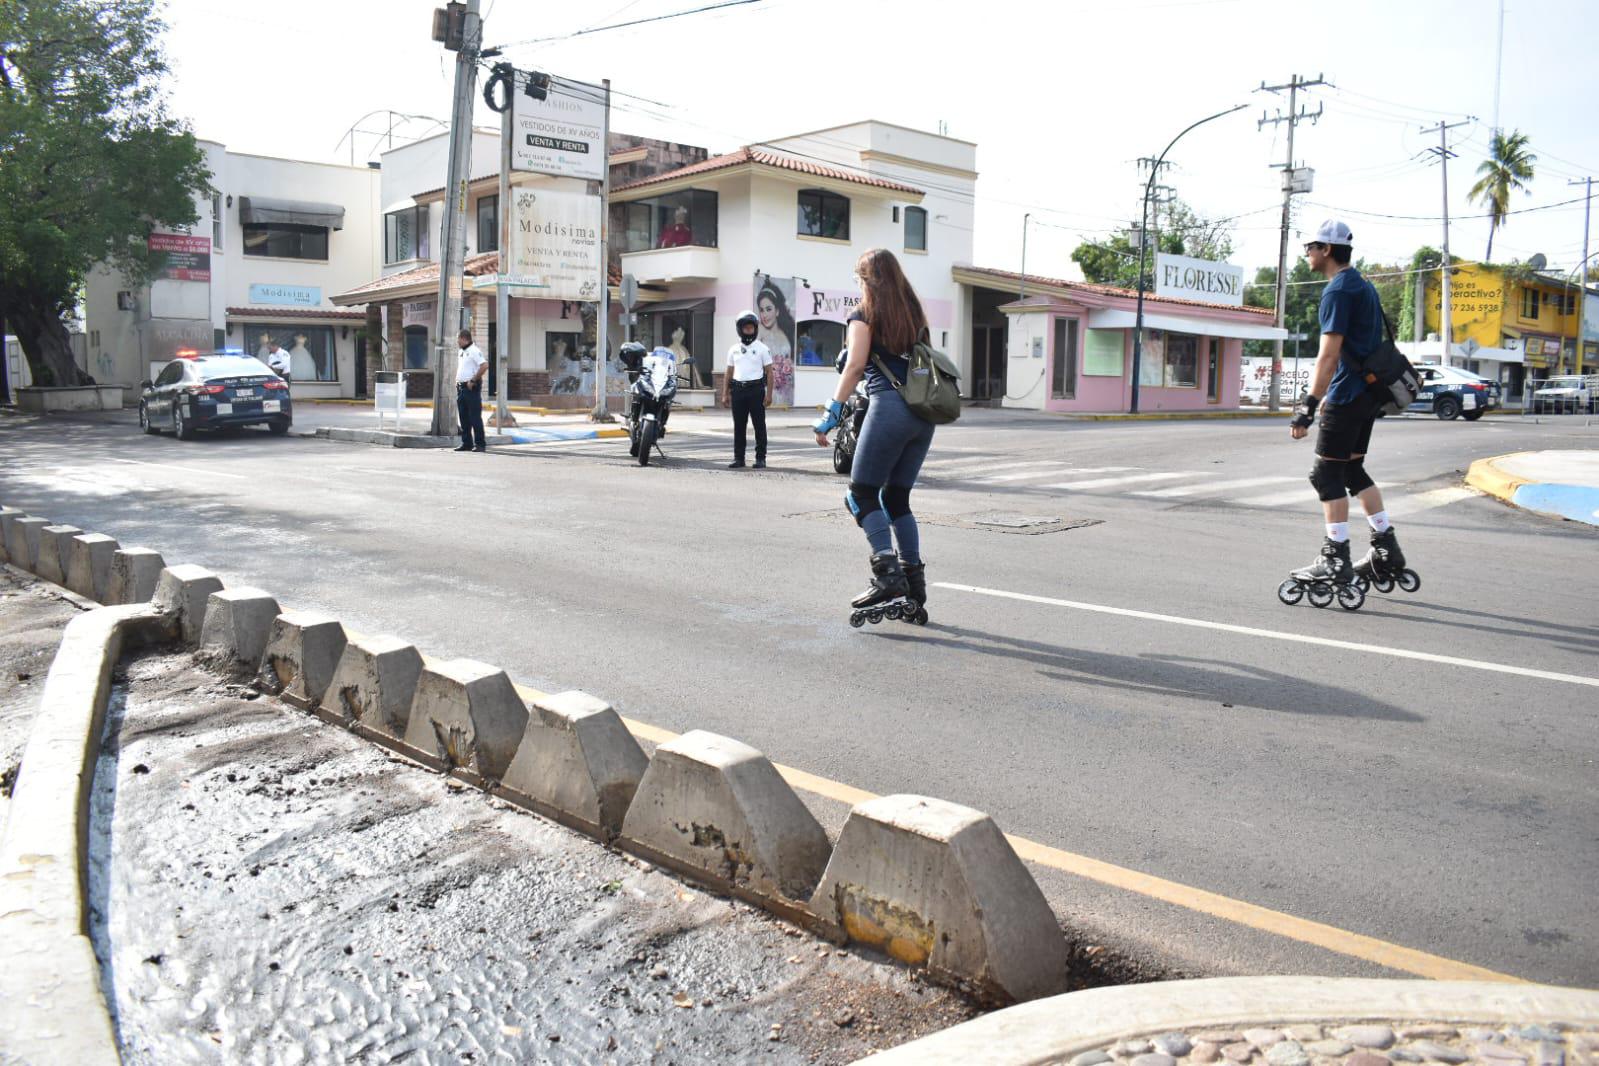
[(555, 239), (561, 135), (1183, 278)]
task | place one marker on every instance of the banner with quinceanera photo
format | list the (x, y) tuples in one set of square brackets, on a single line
[(774, 299)]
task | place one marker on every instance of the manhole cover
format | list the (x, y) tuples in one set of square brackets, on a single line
[(992, 521)]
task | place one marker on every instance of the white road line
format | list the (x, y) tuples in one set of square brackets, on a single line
[(182, 469), (1271, 634), (1306, 495), (1214, 486), (1107, 482), (1046, 468), (1427, 501), (1055, 469)]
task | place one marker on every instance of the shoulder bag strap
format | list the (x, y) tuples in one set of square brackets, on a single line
[(882, 368)]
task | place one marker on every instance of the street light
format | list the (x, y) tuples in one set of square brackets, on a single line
[(1143, 242)]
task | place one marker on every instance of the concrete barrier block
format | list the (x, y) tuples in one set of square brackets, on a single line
[(134, 573), (373, 686), (715, 808), (89, 565), (937, 885), (466, 716), (7, 516), (182, 591), (237, 624), (22, 540), (302, 652), (55, 548), (577, 763)]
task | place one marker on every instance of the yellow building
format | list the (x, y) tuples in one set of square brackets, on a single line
[(1538, 317)]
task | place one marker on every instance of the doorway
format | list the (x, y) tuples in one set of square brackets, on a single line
[(360, 365), (990, 341)]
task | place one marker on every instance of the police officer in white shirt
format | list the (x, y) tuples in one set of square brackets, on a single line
[(747, 388), (470, 369), (277, 359)]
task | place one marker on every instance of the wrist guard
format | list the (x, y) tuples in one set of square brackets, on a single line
[(1305, 411)]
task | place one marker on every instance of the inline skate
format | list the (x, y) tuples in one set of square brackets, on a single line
[(916, 582), (887, 596), (1330, 577), (1383, 565)]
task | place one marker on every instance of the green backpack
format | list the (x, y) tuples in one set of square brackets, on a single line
[(932, 387)]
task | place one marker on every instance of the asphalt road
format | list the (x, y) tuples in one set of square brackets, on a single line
[(1434, 801)]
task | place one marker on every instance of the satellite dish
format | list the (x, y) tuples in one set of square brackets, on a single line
[(1538, 261)]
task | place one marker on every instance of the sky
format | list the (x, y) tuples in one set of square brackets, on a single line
[(1060, 97)]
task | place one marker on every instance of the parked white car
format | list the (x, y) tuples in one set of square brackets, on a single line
[(1567, 394)]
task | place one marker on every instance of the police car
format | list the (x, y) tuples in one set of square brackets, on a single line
[(1451, 393), (215, 390)]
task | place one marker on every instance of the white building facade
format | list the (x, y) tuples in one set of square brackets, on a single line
[(277, 239)]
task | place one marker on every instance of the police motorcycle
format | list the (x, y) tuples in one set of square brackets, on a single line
[(849, 422), (652, 385)]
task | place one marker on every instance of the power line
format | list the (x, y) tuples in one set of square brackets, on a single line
[(1439, 218), (632, 22)]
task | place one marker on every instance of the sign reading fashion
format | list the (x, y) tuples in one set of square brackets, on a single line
[(555, 237), (417, 313), (181, 257), (561, 135), (1182, 278)]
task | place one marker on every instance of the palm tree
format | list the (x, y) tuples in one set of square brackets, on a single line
[(1509, 166)]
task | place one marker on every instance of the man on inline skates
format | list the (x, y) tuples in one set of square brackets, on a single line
[(1351, 330)]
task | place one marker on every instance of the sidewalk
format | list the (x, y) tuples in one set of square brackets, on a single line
[(1561, 484)]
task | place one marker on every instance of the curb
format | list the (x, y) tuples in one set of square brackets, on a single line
[(1167, 416), (1577, 503), (49, 975), (1055, 1030)]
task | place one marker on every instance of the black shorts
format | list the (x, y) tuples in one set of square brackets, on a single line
[(1345, 428)]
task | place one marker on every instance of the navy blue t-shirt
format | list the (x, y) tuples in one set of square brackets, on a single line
[(1349, 307), (897, 364)]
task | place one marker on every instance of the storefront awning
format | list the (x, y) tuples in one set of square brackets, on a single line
[(1205, 327), (259, 210), (704, 303)]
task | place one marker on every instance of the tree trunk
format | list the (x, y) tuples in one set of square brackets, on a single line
[(1489, 256), (45, 342)]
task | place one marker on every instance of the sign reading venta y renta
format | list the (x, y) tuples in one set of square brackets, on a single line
[(1183, 278), (561, 135)]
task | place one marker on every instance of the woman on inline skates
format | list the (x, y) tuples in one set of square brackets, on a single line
[(893, 441)]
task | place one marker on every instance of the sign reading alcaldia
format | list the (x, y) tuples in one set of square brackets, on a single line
[(1182, 278), (561, 135), (555, 239)]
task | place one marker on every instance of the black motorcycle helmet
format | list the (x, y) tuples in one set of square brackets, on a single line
[(747, 319), (843, 358), (632, 355)]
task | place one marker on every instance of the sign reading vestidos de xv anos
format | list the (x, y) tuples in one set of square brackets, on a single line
[(1183, 278)]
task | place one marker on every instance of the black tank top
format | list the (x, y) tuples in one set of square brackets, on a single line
[(896, 362)]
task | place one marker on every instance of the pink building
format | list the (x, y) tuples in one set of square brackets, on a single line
[(1068, 346)]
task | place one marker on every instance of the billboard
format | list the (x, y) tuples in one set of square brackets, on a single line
[(562, 135), (555, 240), (181, 257), (1183, 278)]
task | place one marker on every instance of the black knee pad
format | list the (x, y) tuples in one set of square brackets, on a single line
[(1356, 480), (896, 501), (1327, 477), (863, 500)]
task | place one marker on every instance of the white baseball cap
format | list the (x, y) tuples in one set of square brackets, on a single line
[(1333, 232)]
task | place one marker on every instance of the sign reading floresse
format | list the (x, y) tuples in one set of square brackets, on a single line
[(561, 135), (1182, 278)]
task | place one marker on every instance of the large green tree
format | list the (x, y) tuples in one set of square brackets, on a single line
[(1180, 230), (1509, 166), (90, 161), (1299, 315)]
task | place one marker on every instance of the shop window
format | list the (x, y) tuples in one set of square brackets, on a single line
[(488, 223), (1169, 361), (217, 221), (1529, 303), (310, 348), (687, 333), (823, 214), (282, 240), (1103, 353), (820, 341), (416, 348), (678, 220), (1063, 382), (915, 229), (405, 235)]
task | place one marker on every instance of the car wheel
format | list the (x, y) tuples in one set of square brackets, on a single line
[(1448, 408), (180, 428), (1471, 416), (144, 419), (277, 429)]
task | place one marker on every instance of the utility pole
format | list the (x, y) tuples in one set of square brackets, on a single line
[(602, 325), (1582, 271), (1293, 118), (1445, 317), (1022, 295), (463, 30), (502, 291)]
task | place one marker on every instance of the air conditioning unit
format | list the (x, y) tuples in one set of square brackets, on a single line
[(126, 301)]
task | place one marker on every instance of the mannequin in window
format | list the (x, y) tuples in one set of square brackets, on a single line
[(678, 233), (301, 362), (680, 352), (565, 370)]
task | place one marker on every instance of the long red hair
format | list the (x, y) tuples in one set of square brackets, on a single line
[(889, 305)]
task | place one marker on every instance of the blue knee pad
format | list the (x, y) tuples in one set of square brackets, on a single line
[(862, 500), (1327, 477), (896, 501), (1356, 480)]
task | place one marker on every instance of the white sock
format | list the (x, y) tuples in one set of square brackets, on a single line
[(1379, 522), (1338, 532)]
